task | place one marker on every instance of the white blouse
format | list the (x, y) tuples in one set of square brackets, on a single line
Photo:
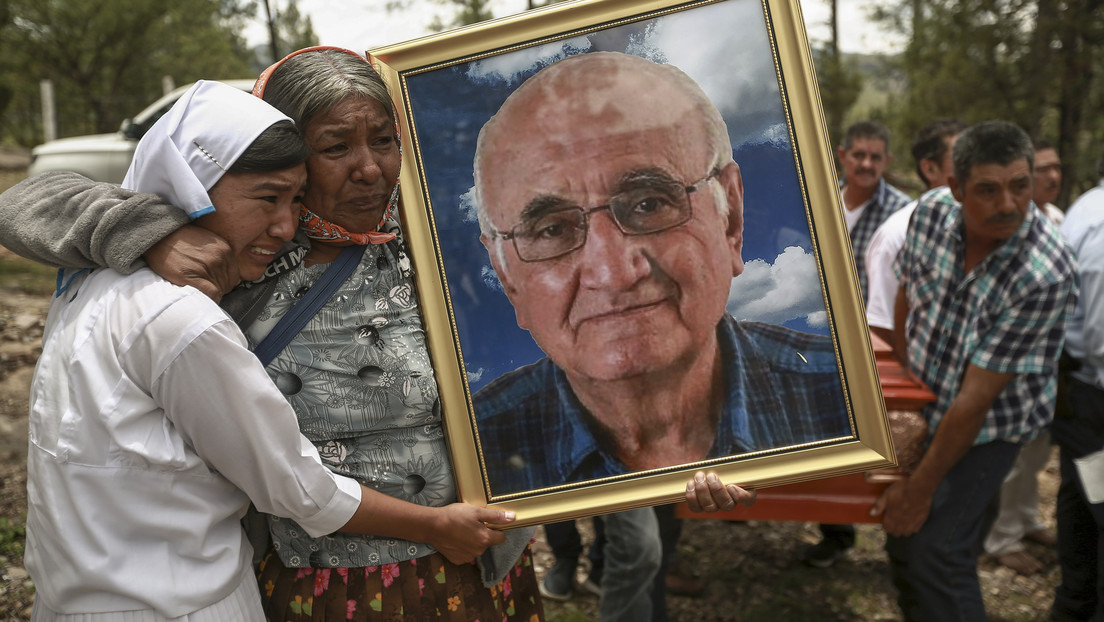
[(151, 427)]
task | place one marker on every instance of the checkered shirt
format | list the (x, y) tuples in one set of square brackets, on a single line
[(1008, 315), (782, 388), (885, 201)]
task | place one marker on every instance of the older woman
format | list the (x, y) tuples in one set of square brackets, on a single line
[(357, 373)]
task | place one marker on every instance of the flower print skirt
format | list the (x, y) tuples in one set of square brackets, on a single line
[(427, 588)]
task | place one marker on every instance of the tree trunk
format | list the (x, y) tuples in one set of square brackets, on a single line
[(1077, 72)]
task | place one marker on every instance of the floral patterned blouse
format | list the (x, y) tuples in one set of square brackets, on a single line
[(359, 378)]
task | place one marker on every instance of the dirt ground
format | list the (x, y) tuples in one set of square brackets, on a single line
[(21, 321), (751, 570)]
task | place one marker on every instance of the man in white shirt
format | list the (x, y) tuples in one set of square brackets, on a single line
[(1048, 180), (1079, 429), (931, 149)]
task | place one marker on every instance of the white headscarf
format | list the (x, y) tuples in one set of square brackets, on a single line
[(196, 141)]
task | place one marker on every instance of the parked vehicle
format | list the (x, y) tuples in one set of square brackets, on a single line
[(106, 157)]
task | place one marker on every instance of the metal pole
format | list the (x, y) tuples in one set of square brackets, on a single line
[(271, 33), (49, 113)]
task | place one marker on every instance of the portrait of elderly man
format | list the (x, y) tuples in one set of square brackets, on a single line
[(612, 211)]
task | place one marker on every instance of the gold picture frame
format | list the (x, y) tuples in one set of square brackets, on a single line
[(746, 54)]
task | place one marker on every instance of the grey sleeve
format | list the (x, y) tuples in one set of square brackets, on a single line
[(69, 221)]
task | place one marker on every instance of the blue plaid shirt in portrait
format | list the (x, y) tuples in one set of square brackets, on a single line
[(782, 388), (1008, 315), (885, 201)]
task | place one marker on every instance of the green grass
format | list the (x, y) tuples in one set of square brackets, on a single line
[(28, 277), (564, 615), (12, 536)]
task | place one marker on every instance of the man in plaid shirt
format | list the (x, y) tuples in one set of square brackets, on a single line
[(987, 286), (867, 198)]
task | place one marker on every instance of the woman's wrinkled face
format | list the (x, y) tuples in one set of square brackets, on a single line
[(354, 163)]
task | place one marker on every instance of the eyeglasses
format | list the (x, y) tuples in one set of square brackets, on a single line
[(652, 203)]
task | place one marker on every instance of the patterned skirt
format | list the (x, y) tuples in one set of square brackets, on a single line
[(427, 588)]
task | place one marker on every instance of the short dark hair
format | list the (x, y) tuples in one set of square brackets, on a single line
[(931, 141), (279, 147), (991, 142), (865, 129), (1042, 143)]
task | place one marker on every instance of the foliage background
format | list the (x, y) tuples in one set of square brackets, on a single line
[(1036, 63), (107, 58)]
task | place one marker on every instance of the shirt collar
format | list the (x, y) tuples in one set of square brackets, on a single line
[(576, 437), (879, 196), (586, 459)]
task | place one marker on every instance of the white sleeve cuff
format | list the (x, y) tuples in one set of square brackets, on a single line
[(338, 511)]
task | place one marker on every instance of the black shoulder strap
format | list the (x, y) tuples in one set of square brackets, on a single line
[(301, 312)]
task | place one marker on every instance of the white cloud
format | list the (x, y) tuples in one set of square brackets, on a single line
[(508, 67), (819, 318), (778, 293), (739, 77), (474, 376), (468, 207), (490, 279)]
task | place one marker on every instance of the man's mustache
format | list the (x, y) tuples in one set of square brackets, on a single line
[(1004, 219)]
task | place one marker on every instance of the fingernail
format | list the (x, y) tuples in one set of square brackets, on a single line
[(712, 477), (509, 515), (699, 477)]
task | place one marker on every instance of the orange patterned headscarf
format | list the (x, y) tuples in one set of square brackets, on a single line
[(315, 226)]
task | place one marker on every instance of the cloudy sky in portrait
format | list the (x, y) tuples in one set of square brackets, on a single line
[(787, 287), (750, 93), (779, 292)]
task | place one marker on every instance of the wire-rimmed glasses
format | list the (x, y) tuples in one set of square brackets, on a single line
[(650, 202)]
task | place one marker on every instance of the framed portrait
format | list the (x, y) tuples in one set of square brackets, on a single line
[(631, 256)]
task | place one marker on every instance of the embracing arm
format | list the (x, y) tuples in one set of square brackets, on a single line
[(221, 400), (69, 221)]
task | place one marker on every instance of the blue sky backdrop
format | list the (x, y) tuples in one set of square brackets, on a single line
[(724, 47)]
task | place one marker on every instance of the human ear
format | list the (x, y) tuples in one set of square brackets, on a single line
[(957, 189), (491, 244), (732, 181)]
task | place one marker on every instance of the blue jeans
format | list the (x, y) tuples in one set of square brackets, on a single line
[(633, 553), (670, 530), (935, 569), (1080, 596)]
